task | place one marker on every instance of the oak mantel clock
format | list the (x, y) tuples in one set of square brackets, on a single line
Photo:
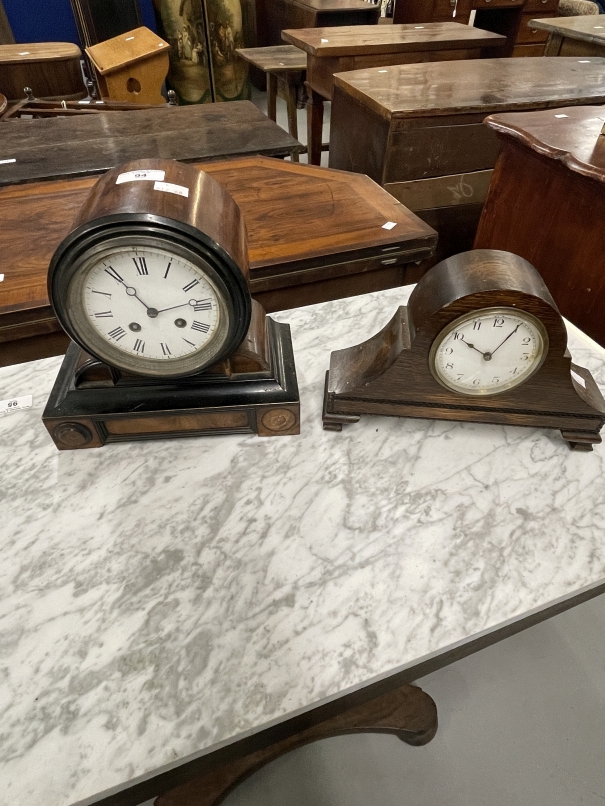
[(151, 286), (481, 340)]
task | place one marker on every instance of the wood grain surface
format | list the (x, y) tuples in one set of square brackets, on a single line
[(125, 49), (49, 149), (313, 234), (479, 86), (555, 165), (276, 59), (586, 29), (39, 52), (375, 39)]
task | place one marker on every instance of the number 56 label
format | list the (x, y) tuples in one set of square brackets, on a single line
[(14, 403)]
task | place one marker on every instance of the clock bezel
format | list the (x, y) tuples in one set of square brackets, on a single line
[(506, 310), (81, 250)]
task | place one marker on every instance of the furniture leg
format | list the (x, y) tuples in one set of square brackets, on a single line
[(271, 96), (290, 92), (408, 713), (315, 120), (553, 45)]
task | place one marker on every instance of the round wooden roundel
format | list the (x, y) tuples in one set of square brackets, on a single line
[(152, 279)]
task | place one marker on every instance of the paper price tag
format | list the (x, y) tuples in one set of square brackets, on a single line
[(6, 162), (141, 176), (15, 403), (168, 187), (1, 278), (389, 225)]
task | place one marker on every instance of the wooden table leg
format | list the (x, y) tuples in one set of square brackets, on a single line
[(408, 713), (315, 121), (271, 96), (291, 93)]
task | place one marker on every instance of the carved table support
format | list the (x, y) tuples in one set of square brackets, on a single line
[(408, 713)]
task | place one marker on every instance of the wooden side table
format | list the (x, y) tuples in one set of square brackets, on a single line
[(333, 50), (313, 235), (507, 17), (573, 36), (286, 69), (418, 129), (546, 202)]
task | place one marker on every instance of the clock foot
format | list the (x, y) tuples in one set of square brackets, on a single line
[(334, 422), (408, 713), (581, 440)]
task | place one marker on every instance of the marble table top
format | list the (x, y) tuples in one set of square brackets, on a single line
[(159, 599)]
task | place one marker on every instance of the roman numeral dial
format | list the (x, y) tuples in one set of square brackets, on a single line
[(151, 304)]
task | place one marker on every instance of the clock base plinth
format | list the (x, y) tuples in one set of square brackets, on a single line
[(253, 392)]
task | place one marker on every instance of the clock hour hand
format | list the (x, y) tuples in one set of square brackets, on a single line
[(486, 356), (507, 338)]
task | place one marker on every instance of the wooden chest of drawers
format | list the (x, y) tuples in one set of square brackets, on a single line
[(418, 129)]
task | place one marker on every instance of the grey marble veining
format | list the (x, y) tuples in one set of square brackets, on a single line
[(159, 598)]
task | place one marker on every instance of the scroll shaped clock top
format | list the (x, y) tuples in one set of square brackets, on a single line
[(480, 340)]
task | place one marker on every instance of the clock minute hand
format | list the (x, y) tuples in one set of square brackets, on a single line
[(507, 338)]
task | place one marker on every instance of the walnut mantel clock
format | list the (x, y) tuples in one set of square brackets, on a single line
[(481, 340), (151, 286)]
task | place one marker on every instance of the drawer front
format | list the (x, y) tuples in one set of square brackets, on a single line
[(527, 35), (528, 50), (445, 9), (478, 4), (541, 7)]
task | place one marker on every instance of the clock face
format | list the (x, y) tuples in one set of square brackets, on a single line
[(488, 351), (146, 307)]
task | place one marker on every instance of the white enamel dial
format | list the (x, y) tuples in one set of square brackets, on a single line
[(150, 303), (488, 351)]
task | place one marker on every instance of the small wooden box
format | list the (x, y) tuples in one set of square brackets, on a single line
[(131, 67), (418, 129), (50, 69)]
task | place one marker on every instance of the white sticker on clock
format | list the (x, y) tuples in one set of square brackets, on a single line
[(15, 403), (168, 187), (144, 175), (578, 378)]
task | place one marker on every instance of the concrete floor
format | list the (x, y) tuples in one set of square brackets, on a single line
[(522, 723)]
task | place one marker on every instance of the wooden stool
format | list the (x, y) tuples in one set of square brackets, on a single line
[(131, 67), (286, 68), (51, 69)]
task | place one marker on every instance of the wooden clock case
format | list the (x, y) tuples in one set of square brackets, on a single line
[(251, 385), (390, 374)]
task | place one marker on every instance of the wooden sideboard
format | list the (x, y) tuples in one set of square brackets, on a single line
[(546, 202), (313, 235), (418, 129), (507, 17), (334, 50)]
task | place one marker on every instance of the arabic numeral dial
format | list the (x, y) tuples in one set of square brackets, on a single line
[(489, 351)]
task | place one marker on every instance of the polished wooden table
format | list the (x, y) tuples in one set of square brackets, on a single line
[(176, 607), (573, 36), (418, 129), (333, 50), (507, 17), (272, 16), (313, 235), (71, 147), (546, 202)]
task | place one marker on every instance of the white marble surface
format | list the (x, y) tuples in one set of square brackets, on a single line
[(159, 598)]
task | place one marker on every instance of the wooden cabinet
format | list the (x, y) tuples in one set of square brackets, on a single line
[(507, 17), (546, 203), (418, 129), (273, 16)]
